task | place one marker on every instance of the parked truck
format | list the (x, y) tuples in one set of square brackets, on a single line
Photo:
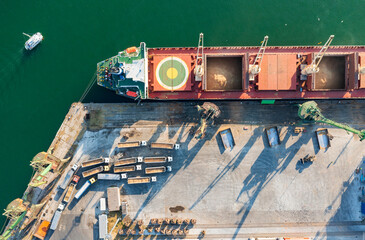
[(157, 159), (227, 138), (124, 169), (69, 174), (137, 180), (92, 171), (272, 134), (69, 192), (165, 145), (84, 188), (108, 176), (55, 220), (128, 161), (132, 144), (160, 169), (94, 162), (76, 179)]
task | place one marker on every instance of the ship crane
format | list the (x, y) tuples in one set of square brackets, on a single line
[(199, 61), (311, 111), (313, 67), (255, 68)]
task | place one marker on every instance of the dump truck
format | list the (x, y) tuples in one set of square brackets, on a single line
[(272, 134), (124, 169), (69, 174), (108, 176), (132, 144), (160, 169), (94, 162), (84, 187), (92, 171), (157, 159), (137, 180), (323, 138), (126, 161), (69, 192), (165, 145), (55, 220), (227, 138), (42, 230)]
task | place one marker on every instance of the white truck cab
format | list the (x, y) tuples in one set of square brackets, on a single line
[(75, 167)]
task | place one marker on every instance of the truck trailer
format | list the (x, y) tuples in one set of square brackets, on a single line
[(137, 180), (132, 144), (157, 159), (94, 162), (124, 169), (84, 188), (108, 176), (69, 192), (69, 174), (127, 161), (92, 171), (55, 220), (160, 169), (165, 145)]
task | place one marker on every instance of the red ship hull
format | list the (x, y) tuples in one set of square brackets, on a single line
[(171, 73)]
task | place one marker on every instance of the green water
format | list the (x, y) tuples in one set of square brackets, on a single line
[(37, 89)]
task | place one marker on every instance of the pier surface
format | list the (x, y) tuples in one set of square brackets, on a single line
[(251, 190)]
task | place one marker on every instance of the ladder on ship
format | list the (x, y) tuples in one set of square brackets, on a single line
[(255, 68), (199, 61)]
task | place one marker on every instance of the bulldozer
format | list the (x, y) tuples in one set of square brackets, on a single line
[(307, 158)]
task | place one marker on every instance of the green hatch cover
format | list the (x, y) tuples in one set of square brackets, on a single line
[(268, 101)]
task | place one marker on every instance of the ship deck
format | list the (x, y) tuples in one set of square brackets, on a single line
[(114, 82), (171, 73)]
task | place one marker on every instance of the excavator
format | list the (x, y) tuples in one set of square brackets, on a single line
[(208, 112)]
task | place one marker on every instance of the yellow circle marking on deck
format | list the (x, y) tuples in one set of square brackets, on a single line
[(171, 73)]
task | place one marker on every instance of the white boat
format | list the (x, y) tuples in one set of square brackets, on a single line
[(33, 40)]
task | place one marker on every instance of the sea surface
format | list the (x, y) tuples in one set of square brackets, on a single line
[(38, 87)]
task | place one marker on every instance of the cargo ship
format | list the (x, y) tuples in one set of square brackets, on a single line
[(262, 72)]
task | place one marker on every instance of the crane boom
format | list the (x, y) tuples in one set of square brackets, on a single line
[(199, 61), (255, 68), (310, 111), (313, 67), (109, 235)]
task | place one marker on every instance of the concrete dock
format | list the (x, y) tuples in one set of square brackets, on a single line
[(251, 190)]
